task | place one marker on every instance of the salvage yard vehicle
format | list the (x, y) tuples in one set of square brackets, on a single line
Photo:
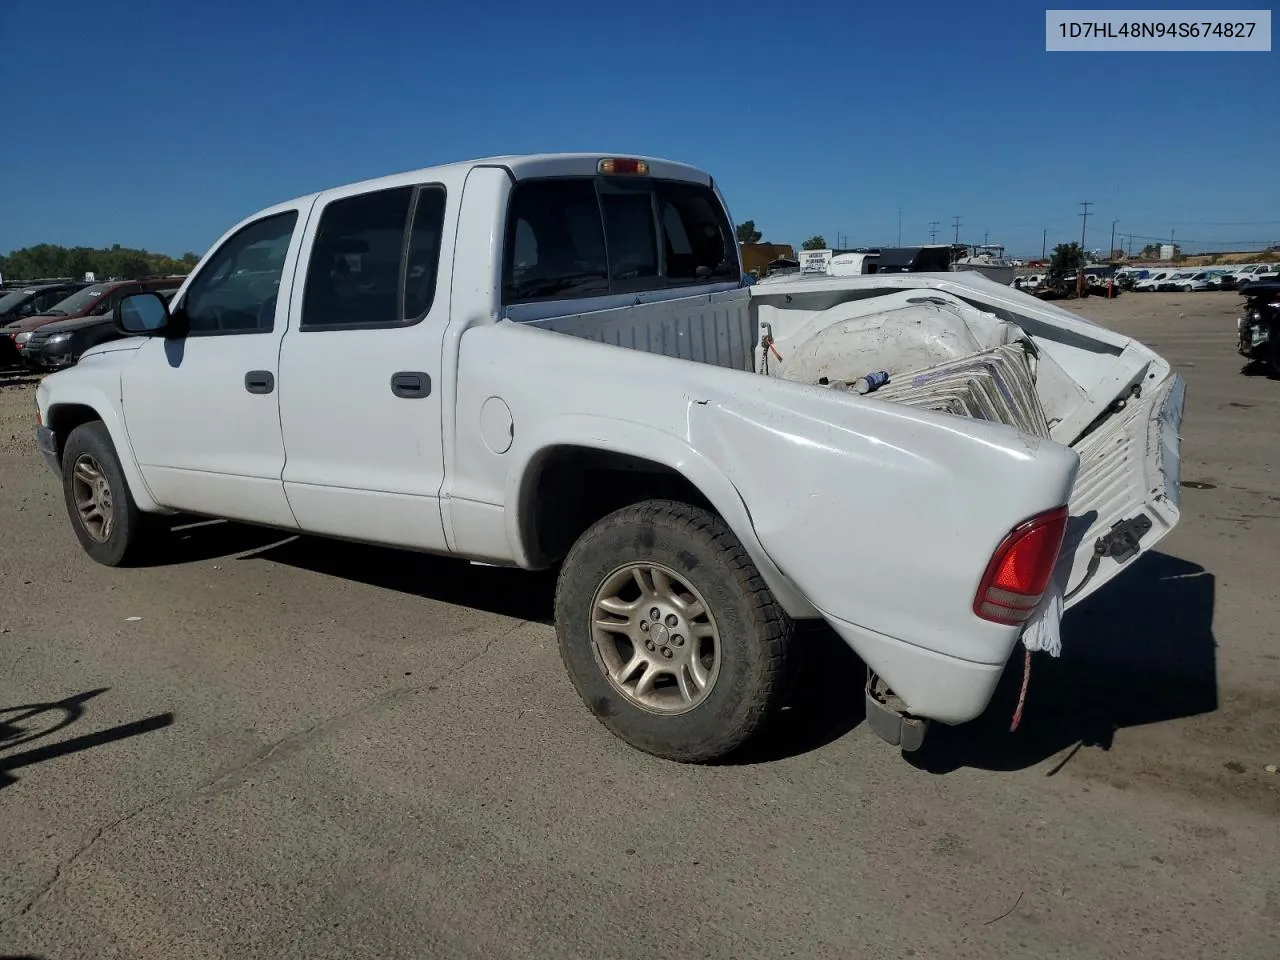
[(22, 302), (1152, 282), (94, 303), (552, 362), (52, 346), (1204, 280), (1258, 326)]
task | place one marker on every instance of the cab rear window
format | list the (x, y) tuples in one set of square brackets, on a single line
[(583, 237)]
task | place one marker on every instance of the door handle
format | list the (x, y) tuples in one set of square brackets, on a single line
[(259, 381), (410, 384)]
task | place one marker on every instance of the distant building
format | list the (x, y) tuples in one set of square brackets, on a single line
[(760, 258)]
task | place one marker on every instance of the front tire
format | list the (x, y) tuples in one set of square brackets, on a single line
[(669, 634), (107, 521)]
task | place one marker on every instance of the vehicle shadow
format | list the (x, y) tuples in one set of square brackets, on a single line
[(1259, 368), (191, 539), (507, 592), (826, 701), (29, 722), (1141, 650)]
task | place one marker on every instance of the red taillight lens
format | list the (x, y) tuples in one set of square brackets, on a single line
[(1020, 569)]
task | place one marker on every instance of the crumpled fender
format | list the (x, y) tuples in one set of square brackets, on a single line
[(884, 516)]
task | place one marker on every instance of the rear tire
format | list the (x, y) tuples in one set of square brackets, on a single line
[(107, 521), (707, 674)]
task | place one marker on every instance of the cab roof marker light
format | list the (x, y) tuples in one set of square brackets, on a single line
[(616, 165)]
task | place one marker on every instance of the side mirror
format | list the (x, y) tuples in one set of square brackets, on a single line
[(142, 314)]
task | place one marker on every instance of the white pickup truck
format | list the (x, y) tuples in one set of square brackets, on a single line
[(548, 361)]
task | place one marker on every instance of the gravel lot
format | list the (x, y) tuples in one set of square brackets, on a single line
[(307, 749)]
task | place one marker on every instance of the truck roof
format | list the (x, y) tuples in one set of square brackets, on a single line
[(521, 167)]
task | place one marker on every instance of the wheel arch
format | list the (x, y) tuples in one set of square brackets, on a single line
[(549, 503), (67, 412)]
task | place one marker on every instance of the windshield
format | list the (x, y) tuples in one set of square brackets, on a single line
[(78, 302), (11, 300)]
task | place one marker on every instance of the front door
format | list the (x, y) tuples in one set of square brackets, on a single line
[(202, 410), (360, 368)]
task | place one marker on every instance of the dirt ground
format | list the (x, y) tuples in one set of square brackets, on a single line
[(274, 747)]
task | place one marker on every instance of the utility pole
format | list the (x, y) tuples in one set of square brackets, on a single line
[(933, 231), (1044, 244), (1130, 246), (899, 226), (986, 234), (1084, 222), (955, 222), (1111, 249)]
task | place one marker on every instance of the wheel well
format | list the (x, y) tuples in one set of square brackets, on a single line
[(65, 417), (571, 488)]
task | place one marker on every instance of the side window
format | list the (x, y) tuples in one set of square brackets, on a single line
[(555, 242), (108, 303), (354, 278), (699, 242), (236, 290), (49, 299)]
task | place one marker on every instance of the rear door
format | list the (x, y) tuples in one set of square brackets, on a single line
[(360, 404)]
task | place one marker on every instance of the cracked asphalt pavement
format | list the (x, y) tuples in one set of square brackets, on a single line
[(279, 747)]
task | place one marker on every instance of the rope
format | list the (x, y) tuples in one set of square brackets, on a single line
[(1022, 697)]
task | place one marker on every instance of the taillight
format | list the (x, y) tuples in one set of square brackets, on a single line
[(1020, 569)]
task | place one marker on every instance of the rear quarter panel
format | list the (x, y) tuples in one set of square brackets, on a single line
[(875, 514)]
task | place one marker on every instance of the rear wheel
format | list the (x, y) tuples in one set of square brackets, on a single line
[(103, 514), (669, 634)]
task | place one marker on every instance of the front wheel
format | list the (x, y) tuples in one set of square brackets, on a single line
[(109, 525), (669, 633)]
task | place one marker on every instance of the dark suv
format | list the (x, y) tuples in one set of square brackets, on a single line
[(86, 313), (33, 299)]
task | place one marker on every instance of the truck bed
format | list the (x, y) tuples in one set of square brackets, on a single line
[(1001, 355)]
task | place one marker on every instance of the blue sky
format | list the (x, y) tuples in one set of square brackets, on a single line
[(159, 124)]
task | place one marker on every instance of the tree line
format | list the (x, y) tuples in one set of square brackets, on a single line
[(51, 260)]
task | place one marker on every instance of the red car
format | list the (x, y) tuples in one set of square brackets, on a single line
[(98, 300)]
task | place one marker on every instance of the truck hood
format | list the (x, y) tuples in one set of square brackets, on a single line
[(123, 349), (75, 323), (31, 323)]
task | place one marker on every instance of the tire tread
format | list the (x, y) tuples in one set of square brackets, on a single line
[(770, 625)]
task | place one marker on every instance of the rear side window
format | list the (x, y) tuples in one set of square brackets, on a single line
[(374, 260), (586, 237)]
